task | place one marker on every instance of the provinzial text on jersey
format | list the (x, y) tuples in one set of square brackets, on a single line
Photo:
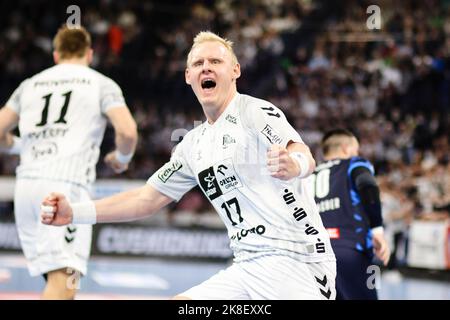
[(54, 83)]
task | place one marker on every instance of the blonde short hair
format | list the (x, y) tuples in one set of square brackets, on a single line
[(208, 36), (72, 42)]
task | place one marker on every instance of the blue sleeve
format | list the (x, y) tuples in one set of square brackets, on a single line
[(364, 190), (356, 162)]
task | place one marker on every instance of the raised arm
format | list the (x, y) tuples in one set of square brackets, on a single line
[(125, 206)]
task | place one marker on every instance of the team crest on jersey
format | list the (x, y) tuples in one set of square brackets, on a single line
[(169, 169), (271, 135), (227, 140), (231, 119), (219, 179)]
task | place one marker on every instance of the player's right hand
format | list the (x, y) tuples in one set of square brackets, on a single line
[(61, 212), (111, 161)]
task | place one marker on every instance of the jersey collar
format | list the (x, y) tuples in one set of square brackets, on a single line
[(231, 106)]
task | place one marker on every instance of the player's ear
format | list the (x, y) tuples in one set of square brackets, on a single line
[(237, 71), (55, 57), (346, 149), (90, 55), (187, 76)]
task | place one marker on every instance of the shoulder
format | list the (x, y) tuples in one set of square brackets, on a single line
[(103, 79), (190, 136), (21, 89), (359, 162), (256, 111), (328, 164), (251, 105)]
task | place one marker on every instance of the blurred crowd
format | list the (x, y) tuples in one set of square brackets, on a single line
[(316, 60)]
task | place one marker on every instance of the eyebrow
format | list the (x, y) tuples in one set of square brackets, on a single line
[(201, 59)]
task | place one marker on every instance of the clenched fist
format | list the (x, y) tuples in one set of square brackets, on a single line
[(113, 163), (280, 164), (56, 210)]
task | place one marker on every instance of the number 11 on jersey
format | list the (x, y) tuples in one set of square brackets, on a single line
[(63, 113)]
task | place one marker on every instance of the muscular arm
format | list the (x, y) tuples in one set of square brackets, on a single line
[(125, 129), (369, 193), (125, 206), (126, 137), (131, 205)]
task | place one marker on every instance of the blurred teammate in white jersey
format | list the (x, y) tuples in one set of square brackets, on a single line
[(249, 162), (62, 114)]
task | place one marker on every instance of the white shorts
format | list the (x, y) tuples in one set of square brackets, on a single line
[(273, 277), (49, 248)]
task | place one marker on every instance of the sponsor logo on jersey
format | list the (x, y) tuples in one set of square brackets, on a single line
[(299, 213), (231, 119), (48, 133), (62, 82), (168, 170), (271, 135), (219, 179), (227, 140), (334, 233), (209, 184), (44, 149), (259, 230)]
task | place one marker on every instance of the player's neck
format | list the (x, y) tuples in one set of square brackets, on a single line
[(78, 61), (335, 156), (213, 112)]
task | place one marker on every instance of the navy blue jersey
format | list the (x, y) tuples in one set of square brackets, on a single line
[(340, 205)]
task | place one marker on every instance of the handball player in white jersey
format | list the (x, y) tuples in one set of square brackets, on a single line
[(251, 165), (62, 114)]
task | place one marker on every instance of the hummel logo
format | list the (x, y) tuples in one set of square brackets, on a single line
[(326, 294), (69, 236), (323, 283), (71, 229), (231, 118)]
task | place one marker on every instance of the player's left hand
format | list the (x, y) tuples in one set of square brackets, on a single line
[(111, 161), (280, 164), (381, 247)]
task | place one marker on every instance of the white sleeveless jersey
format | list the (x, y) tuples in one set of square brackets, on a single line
[(263, 215), (62, 122)]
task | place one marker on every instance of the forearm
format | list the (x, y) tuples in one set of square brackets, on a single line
[(304, 149), (126, 141), (130, 205), (10, 144), (6, 140), (8, 121), (124, 206), (370, 201), (369, 193)]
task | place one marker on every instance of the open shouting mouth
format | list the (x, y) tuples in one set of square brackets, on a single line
[(208, 84)]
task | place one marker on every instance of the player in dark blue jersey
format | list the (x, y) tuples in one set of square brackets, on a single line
[(349, 203)]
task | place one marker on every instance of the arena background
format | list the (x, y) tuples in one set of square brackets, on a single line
[(320, 61)]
